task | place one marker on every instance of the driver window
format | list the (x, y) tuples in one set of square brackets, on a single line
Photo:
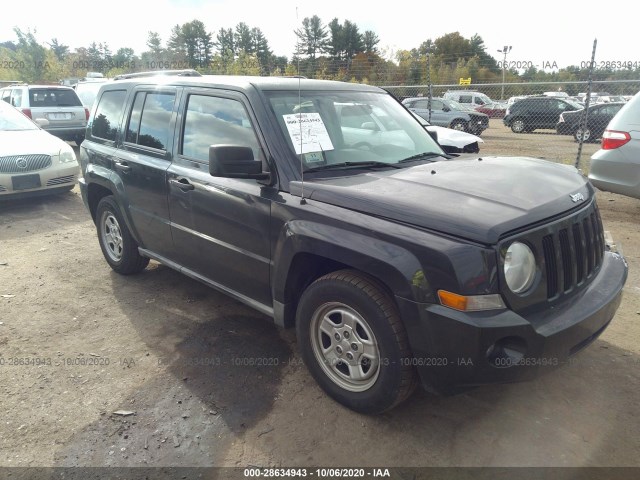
[(215, 121)]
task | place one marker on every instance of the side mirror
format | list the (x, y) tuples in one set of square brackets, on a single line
[(433, 134), (234, 161), (42, 122)]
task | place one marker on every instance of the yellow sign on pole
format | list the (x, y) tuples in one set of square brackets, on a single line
[(465, 81)]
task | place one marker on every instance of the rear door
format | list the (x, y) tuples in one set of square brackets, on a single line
[(142, 162), (220, 225), (438, 116), (600, 118)]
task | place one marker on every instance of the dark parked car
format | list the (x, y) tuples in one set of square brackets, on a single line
[(394, 262), (532, 113), (598, 117), (449, 113)]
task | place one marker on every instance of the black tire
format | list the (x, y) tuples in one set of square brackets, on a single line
[(458, 124), (518, 126), (585, 133), (78, 139), (348, 313), (119, 248)]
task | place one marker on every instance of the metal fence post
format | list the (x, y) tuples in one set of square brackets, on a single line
[(585, 114)]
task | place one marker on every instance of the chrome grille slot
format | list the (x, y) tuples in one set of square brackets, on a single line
[(24, 163)]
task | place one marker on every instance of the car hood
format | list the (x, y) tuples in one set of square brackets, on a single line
[(480, 199), (453, 138), (28, 142)]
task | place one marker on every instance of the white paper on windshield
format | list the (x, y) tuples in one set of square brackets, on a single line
[(308, 132)]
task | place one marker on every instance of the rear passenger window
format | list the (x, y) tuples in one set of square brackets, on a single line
[(216, 121), (465, 99), (107, 116), (150, 118)]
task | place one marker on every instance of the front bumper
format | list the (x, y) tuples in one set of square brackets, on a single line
[(453, 350), (50, 179)]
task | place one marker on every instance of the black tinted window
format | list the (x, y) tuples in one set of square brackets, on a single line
[(54, 97), (107, 116), (465, 99), (216, 121), (134, 119), (155, 120)]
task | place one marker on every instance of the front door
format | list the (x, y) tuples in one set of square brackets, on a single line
[(220, 225)]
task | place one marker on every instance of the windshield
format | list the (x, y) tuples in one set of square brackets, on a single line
[(12, 119), (349, 128)]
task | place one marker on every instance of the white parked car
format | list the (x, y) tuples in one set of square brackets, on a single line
[(32, 160), (452, 141)]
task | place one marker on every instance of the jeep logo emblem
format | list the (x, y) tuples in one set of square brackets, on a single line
[(21, 163), (577, 197)]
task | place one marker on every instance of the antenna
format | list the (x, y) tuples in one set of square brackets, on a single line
[(302, 200)]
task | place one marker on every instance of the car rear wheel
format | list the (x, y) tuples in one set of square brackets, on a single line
[(353, 342), (119, 248), (582, 134), (518, 126)]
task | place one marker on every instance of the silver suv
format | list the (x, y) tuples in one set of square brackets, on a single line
[(57, 109), (616, 166)]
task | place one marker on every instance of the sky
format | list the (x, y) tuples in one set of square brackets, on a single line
[(547, 34)]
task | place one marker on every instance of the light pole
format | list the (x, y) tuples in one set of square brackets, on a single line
[(506, 49)]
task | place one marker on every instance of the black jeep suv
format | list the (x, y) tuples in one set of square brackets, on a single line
[(328, 207), (531, 113)]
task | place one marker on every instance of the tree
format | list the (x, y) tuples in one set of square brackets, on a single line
[(312, 37), (242, 38), (198, 43), (154, 43), (261, 49), (370, 41), (60, 50), (226, 46), (175, 44), (34, 63)]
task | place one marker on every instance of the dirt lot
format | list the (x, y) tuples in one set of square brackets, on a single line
[(78, 343)]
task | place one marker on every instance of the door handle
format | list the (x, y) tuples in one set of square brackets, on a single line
[(122, 166), (183, 184)]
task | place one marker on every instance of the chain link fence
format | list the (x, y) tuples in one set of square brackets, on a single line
[(540, 119)]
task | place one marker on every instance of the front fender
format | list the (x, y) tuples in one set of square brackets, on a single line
[(397, 268)]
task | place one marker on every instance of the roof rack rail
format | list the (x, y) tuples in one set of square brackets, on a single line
[(155, 73)]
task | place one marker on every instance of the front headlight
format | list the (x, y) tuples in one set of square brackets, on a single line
[(519, 267), (66, 155)]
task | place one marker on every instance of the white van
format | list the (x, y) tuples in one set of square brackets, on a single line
[(468, 97)]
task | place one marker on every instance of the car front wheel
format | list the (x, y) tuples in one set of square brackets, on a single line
[(118, 246), (353, 342)]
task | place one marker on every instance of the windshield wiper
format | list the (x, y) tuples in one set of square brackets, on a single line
[(423, 155), (345, 165)]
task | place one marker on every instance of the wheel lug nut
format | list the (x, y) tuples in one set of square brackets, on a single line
[(339, 350), (354, 347), (346, 334), (337, 336), (350, 355)]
